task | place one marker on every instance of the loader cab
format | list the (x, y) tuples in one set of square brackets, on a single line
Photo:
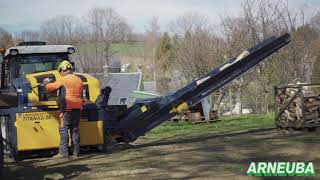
[(31, 57)]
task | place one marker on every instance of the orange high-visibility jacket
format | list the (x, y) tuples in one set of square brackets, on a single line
[(70, 90)]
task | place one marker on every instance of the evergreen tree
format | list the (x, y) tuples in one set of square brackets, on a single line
[(316, 70), (163, 55)]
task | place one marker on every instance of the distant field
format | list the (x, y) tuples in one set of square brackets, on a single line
[(130, 49), (132, 53)]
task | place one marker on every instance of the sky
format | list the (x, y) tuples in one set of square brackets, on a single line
[(19, 15)]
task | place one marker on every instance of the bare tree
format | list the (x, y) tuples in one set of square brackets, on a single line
[(257, 21), (106, 26), (61, 30), (30, 35), (197, 49), (6, 39), (152, 31), (152, 40), (123, 32), (193, 50)]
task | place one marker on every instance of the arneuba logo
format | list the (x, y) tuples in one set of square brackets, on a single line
[(281, 169)]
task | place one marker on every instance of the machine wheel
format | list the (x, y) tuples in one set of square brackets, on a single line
[(102, 148)]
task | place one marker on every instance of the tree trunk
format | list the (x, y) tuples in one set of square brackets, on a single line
[(230, 99), (240, 99), (265, 105)]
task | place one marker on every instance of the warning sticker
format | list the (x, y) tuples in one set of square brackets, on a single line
[(35, 116)]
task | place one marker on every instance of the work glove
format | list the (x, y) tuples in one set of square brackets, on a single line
[(45, 81)]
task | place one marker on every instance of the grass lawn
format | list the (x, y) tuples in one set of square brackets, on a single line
[(227, 124)]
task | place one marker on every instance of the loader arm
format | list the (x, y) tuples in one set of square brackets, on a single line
[(145, 115)]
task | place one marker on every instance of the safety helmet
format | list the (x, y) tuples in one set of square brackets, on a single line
[(64, 65)]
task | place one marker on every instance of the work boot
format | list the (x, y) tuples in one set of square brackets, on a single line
[(60, 156), (76, 154)]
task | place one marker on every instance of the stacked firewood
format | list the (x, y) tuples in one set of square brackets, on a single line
[(297, 106)]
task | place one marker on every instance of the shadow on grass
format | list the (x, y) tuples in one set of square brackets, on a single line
[(183, 140), (216, 155), (199, 156)]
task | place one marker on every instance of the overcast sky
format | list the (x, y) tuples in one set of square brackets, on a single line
[(18, 15)]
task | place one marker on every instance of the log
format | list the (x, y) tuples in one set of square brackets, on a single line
[(315, 108), (310, 116), (289, 115), (287, 104), (298, 112), (194, 117)]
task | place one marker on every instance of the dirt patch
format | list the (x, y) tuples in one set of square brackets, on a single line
[(199, 157)]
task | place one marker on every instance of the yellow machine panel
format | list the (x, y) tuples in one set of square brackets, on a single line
[(38, 96), (40, 130), (37, 130), (35, 80), (91, 132)]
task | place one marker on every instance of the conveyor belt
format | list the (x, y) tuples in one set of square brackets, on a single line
[(147, 114)]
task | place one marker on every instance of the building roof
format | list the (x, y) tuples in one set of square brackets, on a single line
[(150, 86), (123, 85), (40, 49)]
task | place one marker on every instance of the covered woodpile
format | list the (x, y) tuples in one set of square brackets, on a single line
[(298, 106)]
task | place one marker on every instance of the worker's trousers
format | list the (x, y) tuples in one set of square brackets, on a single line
[(70, 121)]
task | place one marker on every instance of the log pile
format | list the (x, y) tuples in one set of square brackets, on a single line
[(298, 106)]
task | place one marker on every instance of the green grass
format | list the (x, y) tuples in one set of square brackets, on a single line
[(132, 49), (227, 124), (129, 49)]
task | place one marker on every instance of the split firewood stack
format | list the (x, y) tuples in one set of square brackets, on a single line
[(298, 106)]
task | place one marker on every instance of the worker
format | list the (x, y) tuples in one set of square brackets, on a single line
[(70, 89)]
